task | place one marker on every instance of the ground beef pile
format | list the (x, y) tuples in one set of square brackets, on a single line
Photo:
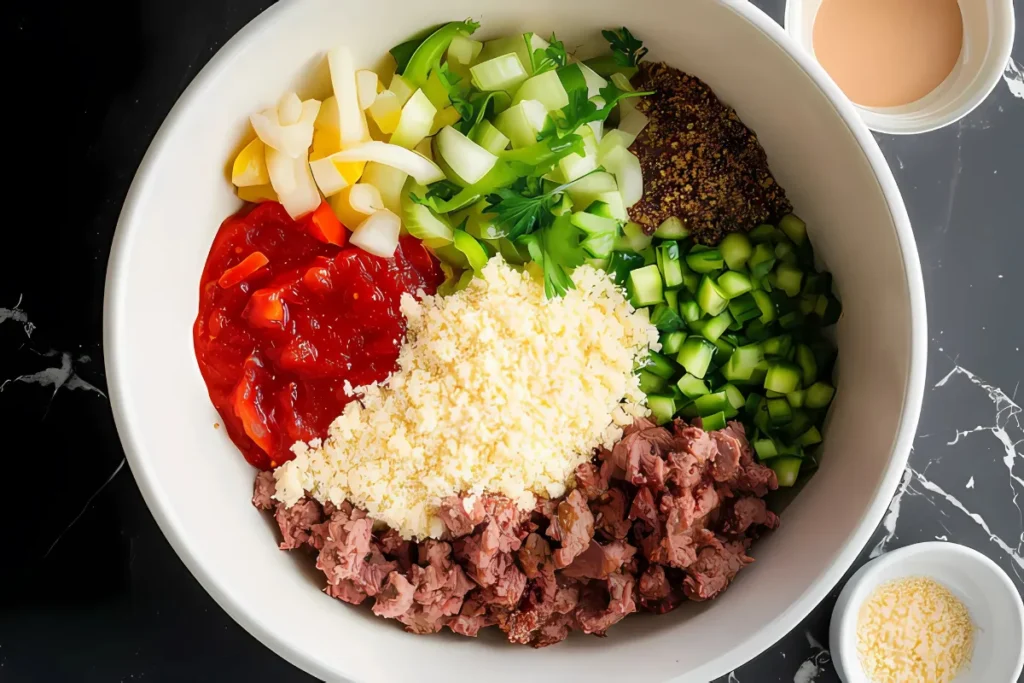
[(667, 514), (700, 163)]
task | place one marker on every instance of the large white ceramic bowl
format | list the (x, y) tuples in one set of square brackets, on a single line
[(198, 485)]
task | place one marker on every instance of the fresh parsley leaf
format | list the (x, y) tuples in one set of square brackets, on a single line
[(525, 207), (546, 59), (477, 106), (556, 249), (582, 110), (626, 48)]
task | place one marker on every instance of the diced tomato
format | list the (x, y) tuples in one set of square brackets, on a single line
[(247, 399), (266, 309), (325, 226), (238, 274)]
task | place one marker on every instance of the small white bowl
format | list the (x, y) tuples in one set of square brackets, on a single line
[(988, 39), (984, 588)]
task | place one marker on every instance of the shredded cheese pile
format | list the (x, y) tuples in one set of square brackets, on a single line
[(498, 390), (914, 630)]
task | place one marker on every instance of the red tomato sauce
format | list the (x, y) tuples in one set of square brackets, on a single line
[(277, 337)]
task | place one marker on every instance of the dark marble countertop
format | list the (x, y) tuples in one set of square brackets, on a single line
[(90, 589)]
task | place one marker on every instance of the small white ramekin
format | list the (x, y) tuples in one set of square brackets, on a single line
[(988, 39), (985, 589)]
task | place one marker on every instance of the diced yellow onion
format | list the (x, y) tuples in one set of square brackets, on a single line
[(366, 87), (402, 89), (293, 182), (351, 120), (425, 148), (250, 167), (292, 139), (419, 167), (327, 119), (289, 109), (378, 234), (448, 116)]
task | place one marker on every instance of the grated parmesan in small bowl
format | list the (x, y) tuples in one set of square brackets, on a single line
[(929, 613)]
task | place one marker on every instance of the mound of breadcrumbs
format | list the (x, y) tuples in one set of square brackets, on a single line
[(498, 390)]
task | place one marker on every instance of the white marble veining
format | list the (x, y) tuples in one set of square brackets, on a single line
[(811, 668), (1013, 76), (17, 315), (60, 377)]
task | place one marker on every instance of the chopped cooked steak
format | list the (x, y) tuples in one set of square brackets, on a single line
[(665, 515), (700, 163)]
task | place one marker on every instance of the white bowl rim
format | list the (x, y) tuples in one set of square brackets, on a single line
[(865, 580), (156, 497)]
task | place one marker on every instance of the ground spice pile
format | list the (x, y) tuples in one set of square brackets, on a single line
[(700, 163)]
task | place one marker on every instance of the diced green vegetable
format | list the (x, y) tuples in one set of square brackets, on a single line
[(468, 160), (505, 72), (765, 448), (782, 377), (779, 411), (522, 123), (689, 310), (809, 438), (740, 366), (762, 233), (761, 261), (716, 327), (646, 286), (609, 205), (662, 408), (733, 283), (705, 261), (744, 308), (633, 238), (546, 88), (808, 365), (661, 365), (711, 299), (794, 228), (695, 355), (765, 305), (714, 422), (671, 342), (736, 398), (777, 346), (672, 229), (709, 404), (651, 383), (819, 395), (593, 224), (736, 250), (666, 319), (786, 469), (796, 398), (668, 261), (489, 137), (672, 299), (621, 264), (692, 387), (789, 279)]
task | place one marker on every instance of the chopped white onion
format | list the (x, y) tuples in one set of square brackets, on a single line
[(327, 119), (327, 176), (389, 181), (293, 182), (633, 123), (289, 109), (351, 120), (628, 174), (419, 167), (378, 234), (366, 87), (365, 198), (291, 139)]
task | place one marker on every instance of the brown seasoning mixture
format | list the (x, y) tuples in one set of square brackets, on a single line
[(700, 163)]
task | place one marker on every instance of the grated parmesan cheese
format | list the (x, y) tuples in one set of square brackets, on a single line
[(914, 630), (497, 390)]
